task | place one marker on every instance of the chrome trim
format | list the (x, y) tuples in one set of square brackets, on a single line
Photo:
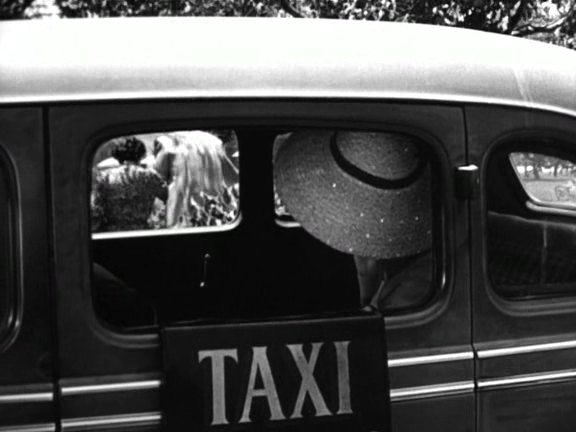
[(550, 208), (470, 167), (287, 224), (48, 427), (529, 379), (168, 231), (26, 397), (430, 391), (111, 387), (428, 359), (526, 349), (86, 423)]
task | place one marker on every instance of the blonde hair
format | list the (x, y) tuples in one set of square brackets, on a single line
[(197, 170)]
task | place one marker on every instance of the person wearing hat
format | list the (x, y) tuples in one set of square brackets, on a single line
[(367, 194)]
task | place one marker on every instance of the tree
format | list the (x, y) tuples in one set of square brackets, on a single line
[(116, 8), (13, 9), (551, 21)]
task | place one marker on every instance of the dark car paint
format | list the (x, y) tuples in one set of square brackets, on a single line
[(27, 357), (128, 357), (502, 324)]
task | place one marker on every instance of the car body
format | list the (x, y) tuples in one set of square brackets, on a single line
[(492, 347)]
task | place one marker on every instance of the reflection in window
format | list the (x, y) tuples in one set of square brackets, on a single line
[(547, 180), (530, 254), (183, 179)]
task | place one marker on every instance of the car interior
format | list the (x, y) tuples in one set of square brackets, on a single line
[(263, 266)]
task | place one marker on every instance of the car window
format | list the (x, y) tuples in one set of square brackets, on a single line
[(176, 180), (240, 246), (547, 180), (531, 227)]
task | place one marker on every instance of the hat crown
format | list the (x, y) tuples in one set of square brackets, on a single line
[(362, 193), (383, 155)]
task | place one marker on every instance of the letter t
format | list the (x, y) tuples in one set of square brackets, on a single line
[(218, 358)]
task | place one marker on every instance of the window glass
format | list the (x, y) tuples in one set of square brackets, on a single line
[(158, 181), (547, 180), (339, 220), (531, 248)]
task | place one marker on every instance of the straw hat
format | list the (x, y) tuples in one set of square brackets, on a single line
[(363, 193)]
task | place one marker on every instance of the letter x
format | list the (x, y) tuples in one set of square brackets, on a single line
[(308, 384)]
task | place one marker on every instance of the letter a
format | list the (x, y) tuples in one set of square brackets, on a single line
[(218, 383), (308, 384), (260, 364)]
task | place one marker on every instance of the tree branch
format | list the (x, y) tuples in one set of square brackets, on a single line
[(515, 19), (287, 6), (529, 29)]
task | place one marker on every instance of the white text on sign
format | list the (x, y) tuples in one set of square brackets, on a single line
[(260, 366)]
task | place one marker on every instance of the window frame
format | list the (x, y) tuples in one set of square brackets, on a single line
[(95, 147), (440, 281), (75, 128), (555, 143), (10, 322)]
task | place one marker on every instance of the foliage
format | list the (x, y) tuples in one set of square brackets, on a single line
[(549, 20), (535, 165), (116, 8), (13, 9)]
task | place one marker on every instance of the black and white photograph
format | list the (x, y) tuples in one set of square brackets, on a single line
[(288, 215)]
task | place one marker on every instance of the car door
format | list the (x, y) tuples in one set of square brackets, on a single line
[(27, 392), (522, 278), (113, 361)]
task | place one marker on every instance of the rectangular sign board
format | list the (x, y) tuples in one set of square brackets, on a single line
[(325, 374)]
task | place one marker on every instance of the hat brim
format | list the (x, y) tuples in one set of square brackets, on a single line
[(346, 213)]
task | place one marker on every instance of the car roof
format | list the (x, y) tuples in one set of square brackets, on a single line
[(150, 58)]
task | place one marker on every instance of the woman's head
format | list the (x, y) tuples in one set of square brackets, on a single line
[(129, 150)]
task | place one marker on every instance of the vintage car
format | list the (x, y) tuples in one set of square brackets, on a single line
[(218, 310)]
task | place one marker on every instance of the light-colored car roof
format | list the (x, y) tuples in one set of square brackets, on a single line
[(150, 58)]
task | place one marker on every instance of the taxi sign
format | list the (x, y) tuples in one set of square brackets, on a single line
[(310, 375)]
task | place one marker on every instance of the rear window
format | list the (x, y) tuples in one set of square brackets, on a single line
[(531, 200), (547, 180)]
